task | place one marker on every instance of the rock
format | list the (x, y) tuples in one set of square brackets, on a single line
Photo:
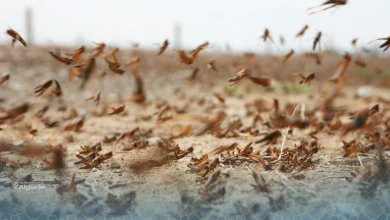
[(28, 178), (115, 165), (19, 143), (365, 91)]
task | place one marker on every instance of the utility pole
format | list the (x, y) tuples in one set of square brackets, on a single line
[(177, 41), (29, 26)]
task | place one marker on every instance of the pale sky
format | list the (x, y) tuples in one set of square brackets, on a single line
[(238, 23)]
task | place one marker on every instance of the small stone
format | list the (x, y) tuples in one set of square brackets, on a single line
[(19, 143), (28, 178), (115, 165), (365, 91), (94, 169)]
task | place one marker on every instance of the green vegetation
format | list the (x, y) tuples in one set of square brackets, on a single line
[(291, 87), (369, 72)]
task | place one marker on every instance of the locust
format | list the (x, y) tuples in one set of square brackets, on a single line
[(332, 3)]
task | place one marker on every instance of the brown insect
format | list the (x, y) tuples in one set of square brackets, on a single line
[(180, 154), (77, 54), (200, 47), (260, 80), (219, 97), (194, 72), (185, 58), (89, 149), (76, 125), (117, 110), (95, 98), (316, 56), (385, 45), (71, 187), (270, 138), (224, 148), (15, 37), (207, 168), (160, 117), (76, 70), (302, 31), (317, 41), (189, 58), (341, 70), (87, 71), (354, 41), (122, 203), (112, 64), (305, 79), (57, 91), (116, 70), (248, 149), (360, 62), (163, 47), (4, 79), (282, 40), (211, 123), (238, 76), (99, 50), (40, 89), (57, 160), (16, 111), (97, 161), (121, 137), (60, 58), (333, 4), (266, 35), (113, 55), (139, 93), (138, 144), (33, 132), (198, 165), (211, 66), (360, 119), (288, 56), (134, 62), (353, 147)]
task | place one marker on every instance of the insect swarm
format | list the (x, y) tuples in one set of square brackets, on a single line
[(190, 132)]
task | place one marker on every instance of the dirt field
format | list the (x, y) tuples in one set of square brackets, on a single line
[(150, 182)]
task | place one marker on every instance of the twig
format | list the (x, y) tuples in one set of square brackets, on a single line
[(360, 161), (285, 136)]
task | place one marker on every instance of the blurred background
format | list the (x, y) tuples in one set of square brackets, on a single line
[(189, 23)]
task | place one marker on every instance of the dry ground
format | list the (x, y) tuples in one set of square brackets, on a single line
[(319, 191)]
